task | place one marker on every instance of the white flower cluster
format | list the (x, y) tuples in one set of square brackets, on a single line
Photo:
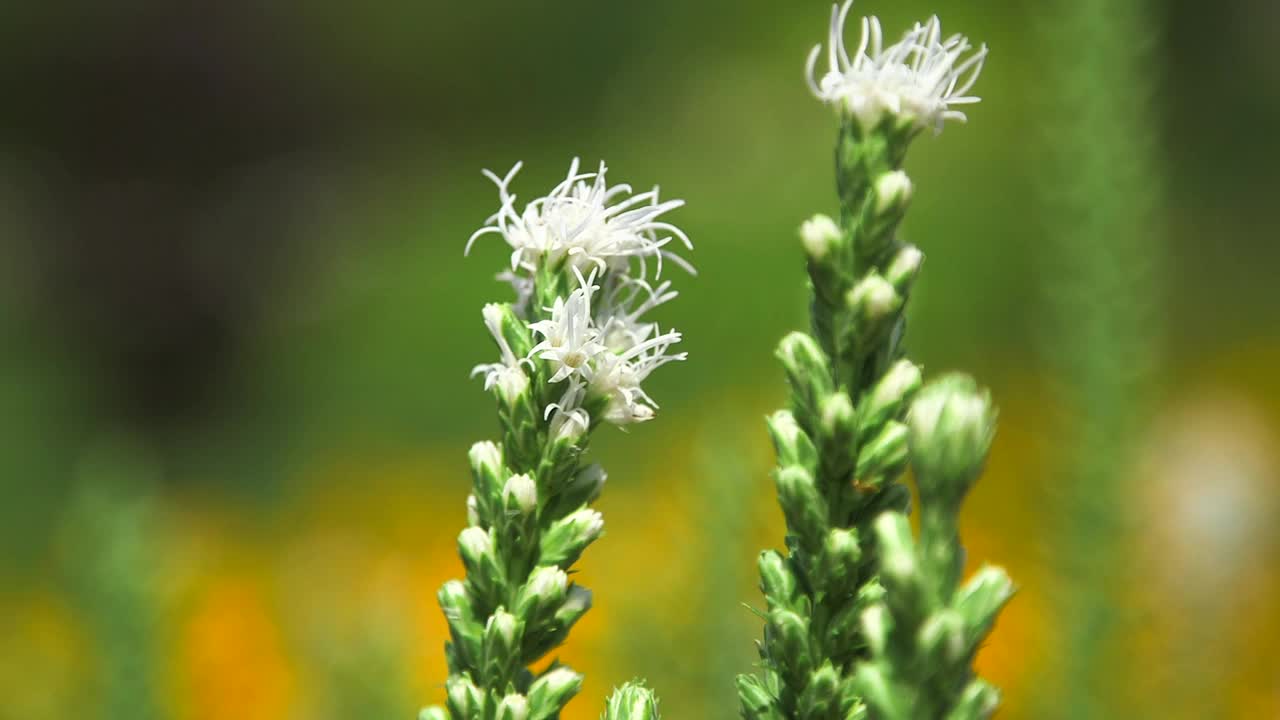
[(595, 340), (585, 224), (919, 79)]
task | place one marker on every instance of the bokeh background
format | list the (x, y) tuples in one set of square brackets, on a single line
[(236, 325)]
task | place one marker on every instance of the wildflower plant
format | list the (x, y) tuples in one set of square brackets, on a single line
[(864, 620), (575, 349)]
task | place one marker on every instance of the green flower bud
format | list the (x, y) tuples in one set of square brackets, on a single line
[(802, 504), (513, 707), (952, 424), (840, 557), (978, 701), (893, 192), (903, 269), (876, 625), (502, 636), (574, 607), (787, 635), (885, 456), (473, 511), (549, 693), (838, 418), (942, 639), (792, 445), (488, 473), (631, 702), (873, 684), (820, 694), (542, 594), (809, 374), (777, 582), (433, 713), (520, 494), (567, 537), (484, 572), (756, 700), (981, 598), (875, 302), (819, 234), (464, 629), (464, 699), (889, 398), (899, 569)]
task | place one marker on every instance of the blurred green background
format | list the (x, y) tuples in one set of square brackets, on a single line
[(237, 325)]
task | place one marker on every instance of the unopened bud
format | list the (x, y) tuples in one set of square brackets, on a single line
[(502, 634), (631, 702), (885, 455), (821, 693), (941, 638), (777, 582), (756, 700), (433, 713), (838, 417), (819, 234), (488, 473), (455, 602), (980, 599), (840, 556), (952, 425), (788, 633), (574, 607), (474, 543), (521, 493), (790, 442), (513, 707), (898, 567), (802, 504), (809, 374), (904, 268), (565, 540), (889, 398), (549, 693), (464, 698), (893, 193), (875, 627), (874, 299), (543, 593)]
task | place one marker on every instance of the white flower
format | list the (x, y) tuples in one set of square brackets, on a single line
[(919, 79), (507, 375), (586, 224), (570, 338), (636, 348)]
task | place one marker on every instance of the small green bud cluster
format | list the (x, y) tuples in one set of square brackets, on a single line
[(852, 604), (516, 603), (925, 630), (632, 701), (841, 447)]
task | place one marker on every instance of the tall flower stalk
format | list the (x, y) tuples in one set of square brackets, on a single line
[(863, 620), (574, 351)]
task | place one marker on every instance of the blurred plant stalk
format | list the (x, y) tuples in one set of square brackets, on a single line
[(1102, 196), (863, 619), (111, 538)]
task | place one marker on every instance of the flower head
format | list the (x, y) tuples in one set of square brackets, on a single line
[(919, 79), (585, 224)]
